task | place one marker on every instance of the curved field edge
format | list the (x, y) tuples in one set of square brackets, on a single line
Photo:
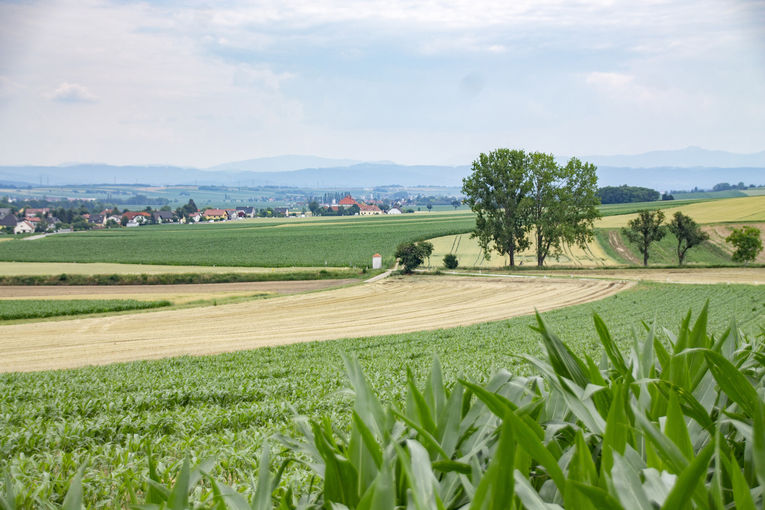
[(224, 406), (394, 305)]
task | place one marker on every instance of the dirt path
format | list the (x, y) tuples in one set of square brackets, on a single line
[(616, 241), (744, 275), (393, 305)]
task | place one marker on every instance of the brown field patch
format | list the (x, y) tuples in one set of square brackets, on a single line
[(54, 268), (394, 305), (175, 293)]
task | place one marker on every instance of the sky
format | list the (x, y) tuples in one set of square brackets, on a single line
[(198, 83)]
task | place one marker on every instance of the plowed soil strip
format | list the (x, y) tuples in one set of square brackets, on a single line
[(153, 292), (395, 305)]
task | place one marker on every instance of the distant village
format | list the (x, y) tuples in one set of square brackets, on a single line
[(27, 220)]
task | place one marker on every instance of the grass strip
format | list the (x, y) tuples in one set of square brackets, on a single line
[(177, 278), (15, 309)]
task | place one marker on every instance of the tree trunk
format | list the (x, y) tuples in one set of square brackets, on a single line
[(540, 254), (645, 257), (511, 253)]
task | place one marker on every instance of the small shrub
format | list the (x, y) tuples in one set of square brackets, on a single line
[(450, 261)]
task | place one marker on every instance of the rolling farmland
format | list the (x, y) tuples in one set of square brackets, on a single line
[(224, 406), (345, 241)]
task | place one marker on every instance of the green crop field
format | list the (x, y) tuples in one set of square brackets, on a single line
[(345, 241), (633, 207), (13, 309), (223, 407)]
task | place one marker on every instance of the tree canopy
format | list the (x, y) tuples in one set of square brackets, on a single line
[(627, 194), (688, 234), (747, 243), (513, 192), (411, 255), (644, 230)]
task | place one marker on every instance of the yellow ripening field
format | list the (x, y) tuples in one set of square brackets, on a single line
[(54, 268), (743, 209), (469, 254), (389, 306)]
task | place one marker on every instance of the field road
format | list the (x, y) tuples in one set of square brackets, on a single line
[(691, 275), (393, 305)]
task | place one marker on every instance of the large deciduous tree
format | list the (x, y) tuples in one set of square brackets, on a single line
[(513, 192), (497, 191), (645, 230), (564, 203), (688, 234)]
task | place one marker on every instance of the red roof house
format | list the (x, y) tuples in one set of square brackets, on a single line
[(347, 202)]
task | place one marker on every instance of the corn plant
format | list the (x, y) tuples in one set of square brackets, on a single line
[(675, 421)]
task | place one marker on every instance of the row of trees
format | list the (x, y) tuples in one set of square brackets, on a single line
[(515, 194), (648, 227)]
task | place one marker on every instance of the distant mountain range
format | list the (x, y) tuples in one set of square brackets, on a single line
[(360, 175), (690, 157), (662, 170)]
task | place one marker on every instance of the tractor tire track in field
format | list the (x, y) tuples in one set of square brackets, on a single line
[(394, 305)]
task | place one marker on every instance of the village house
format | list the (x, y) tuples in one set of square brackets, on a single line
[(163, 216), (245, 212), (8, 220), (136, 217), (24, 227), (31, 213), (97, 219), (347, 201), (369, 210), (214, 215)]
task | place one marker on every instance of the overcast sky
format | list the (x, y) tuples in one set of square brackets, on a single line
[(202, 83)]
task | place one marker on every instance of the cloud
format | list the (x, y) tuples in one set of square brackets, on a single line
[(72, 93), (260, 77)]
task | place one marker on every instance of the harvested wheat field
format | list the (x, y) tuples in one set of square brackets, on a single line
[(726, 210), (470, 254), (394, 305)]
